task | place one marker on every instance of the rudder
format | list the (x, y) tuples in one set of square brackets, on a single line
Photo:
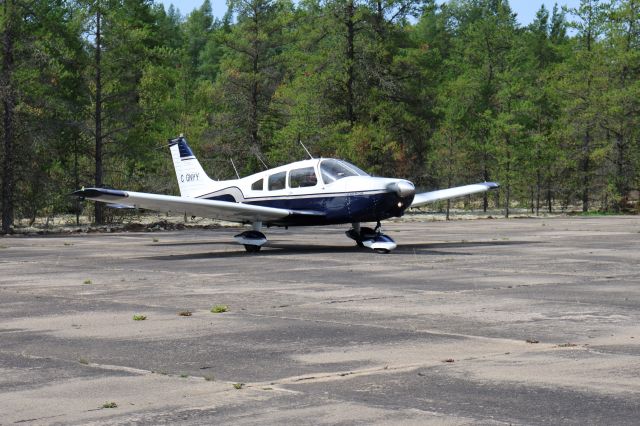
[(192, 179)]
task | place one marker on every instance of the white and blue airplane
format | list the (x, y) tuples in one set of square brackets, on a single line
[(322, 191)]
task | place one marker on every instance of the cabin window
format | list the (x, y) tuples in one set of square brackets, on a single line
[(301, 178), (257, 185), (333, 170), (277, 181)]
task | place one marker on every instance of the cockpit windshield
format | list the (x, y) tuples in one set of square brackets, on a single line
[(333, 170)]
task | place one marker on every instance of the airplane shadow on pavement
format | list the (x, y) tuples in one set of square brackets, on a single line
[(275, 248)]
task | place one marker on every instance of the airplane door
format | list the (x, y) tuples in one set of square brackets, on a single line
[(302, 186)]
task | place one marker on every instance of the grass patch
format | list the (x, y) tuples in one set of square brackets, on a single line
[(110, 405), (238, 385), (218, 309), (567, 345), (155, 240), (3, 247), (68, 244), (184, 376), (83, 361), (87, 282), (139, 317), (185, 313), (209, 378), (532, 341)]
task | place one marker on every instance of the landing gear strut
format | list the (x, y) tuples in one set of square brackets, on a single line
[(371, 238)]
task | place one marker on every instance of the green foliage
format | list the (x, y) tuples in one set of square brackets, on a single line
[(218, 309), (139, 317)]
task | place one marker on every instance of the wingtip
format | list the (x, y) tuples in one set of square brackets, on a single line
[(97, 192), (492, 185)]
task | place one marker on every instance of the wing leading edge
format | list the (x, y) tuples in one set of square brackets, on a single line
[(444, 194), (225, 210)]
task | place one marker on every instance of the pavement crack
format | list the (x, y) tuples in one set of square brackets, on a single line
[(363, 299), (37, 419), (337, 375)]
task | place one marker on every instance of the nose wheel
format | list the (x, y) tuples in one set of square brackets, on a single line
[(371, 238)]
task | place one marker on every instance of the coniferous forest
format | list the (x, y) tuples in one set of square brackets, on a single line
[(441, 93)]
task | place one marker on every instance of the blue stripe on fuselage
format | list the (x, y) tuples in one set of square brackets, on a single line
[(336, 208)]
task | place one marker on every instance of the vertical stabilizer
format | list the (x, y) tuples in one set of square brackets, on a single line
[(192, 179)]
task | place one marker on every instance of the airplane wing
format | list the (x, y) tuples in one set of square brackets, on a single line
[(444, 194), (225, 210)]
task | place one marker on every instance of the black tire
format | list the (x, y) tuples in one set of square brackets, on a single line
[(382, 251), (250, 248)]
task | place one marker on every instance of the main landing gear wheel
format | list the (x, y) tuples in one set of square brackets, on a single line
[(251, 240), (250, 248)]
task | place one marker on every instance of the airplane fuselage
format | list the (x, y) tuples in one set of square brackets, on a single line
[(341, 191)]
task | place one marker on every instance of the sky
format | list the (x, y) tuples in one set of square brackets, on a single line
[(526, 9)]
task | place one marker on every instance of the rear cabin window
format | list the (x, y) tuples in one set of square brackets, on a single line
[(277, 181), (301, 178), (257, 185)]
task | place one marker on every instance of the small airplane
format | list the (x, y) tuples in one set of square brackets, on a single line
[(321, 191)]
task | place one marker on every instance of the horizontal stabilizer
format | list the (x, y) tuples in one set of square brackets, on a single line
[(445, 194)]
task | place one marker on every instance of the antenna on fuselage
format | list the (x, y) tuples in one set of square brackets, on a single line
[(234, 168), (262, 161), (305, 148)]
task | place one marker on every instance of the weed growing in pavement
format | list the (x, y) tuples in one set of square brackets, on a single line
[(218, 309)]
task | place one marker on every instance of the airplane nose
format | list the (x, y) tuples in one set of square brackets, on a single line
[(403, 188)]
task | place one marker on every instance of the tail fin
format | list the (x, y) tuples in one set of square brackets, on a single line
[(192, 179)]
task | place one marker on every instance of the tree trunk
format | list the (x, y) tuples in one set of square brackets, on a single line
[(508, 185), (76, 179), (351, 31), (485, 176), (8, 104), (621, 181), (585, 165), (99, 210), (538, 191), (254, 84)]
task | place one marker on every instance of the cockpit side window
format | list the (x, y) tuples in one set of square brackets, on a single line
[(301, 178), (277, 181), (333, 170), (257, 185)]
